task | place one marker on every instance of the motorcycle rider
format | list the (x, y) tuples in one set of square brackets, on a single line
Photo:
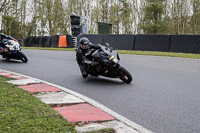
[(83, 55), (2, 42)]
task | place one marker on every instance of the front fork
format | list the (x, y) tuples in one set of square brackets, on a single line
[(115, 71)]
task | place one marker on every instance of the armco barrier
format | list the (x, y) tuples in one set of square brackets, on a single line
[(185, 43), (152, 42)]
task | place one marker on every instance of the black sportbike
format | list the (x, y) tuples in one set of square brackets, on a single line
[(108, 64)]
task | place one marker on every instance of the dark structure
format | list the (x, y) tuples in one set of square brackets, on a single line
[(104, 28), (75, 25)]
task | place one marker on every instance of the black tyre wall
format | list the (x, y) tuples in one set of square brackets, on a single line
[(165, 43), (48, 42), (152, 42), (54, 41), (41, 41), (123, 42), (185, 43), (69, 41), (26, 42)]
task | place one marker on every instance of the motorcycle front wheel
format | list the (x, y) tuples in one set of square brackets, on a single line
[(125, 75), (23, 57)]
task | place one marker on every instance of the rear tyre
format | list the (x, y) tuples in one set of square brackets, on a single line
[(125, 75), (23, 57)]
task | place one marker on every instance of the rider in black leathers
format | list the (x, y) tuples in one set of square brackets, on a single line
[(2, 42), (83, 55)]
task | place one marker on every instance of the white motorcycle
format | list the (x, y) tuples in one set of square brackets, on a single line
[(12, 50)]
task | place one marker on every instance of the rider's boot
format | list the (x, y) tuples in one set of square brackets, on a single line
[(84, 74)]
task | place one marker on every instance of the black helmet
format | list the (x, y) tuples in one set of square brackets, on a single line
[(84, 43)]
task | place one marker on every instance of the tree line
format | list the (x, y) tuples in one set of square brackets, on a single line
[(21, 18)]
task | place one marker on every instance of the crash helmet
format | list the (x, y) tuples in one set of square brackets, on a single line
[(84, 43)]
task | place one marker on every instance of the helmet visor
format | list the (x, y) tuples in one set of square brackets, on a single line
[(85, 46)]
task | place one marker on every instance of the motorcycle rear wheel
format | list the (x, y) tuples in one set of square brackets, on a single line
[(125, 75), (23, 57)]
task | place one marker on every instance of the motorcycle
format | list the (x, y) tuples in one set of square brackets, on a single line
[(12, 50), (108, 64)]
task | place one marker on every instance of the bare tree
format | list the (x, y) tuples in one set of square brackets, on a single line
[(195, 19), (3, 3)]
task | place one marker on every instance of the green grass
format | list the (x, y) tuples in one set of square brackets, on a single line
[(20, 112), (151, 53), (103, 131), (169, 54)]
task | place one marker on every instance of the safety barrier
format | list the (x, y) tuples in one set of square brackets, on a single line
[(152, 42), (185, 43), (166, 43)]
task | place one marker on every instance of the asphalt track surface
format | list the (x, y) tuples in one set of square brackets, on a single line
[(164, 96)]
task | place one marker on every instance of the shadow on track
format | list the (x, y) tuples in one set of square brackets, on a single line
[(10, 61), (104, 81)]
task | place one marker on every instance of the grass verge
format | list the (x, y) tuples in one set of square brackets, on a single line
[(168, 54), (152, 53), (22, 112), (103, 131)]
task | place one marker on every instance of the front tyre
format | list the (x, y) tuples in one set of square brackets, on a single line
[(125, 75), (23, 57)]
